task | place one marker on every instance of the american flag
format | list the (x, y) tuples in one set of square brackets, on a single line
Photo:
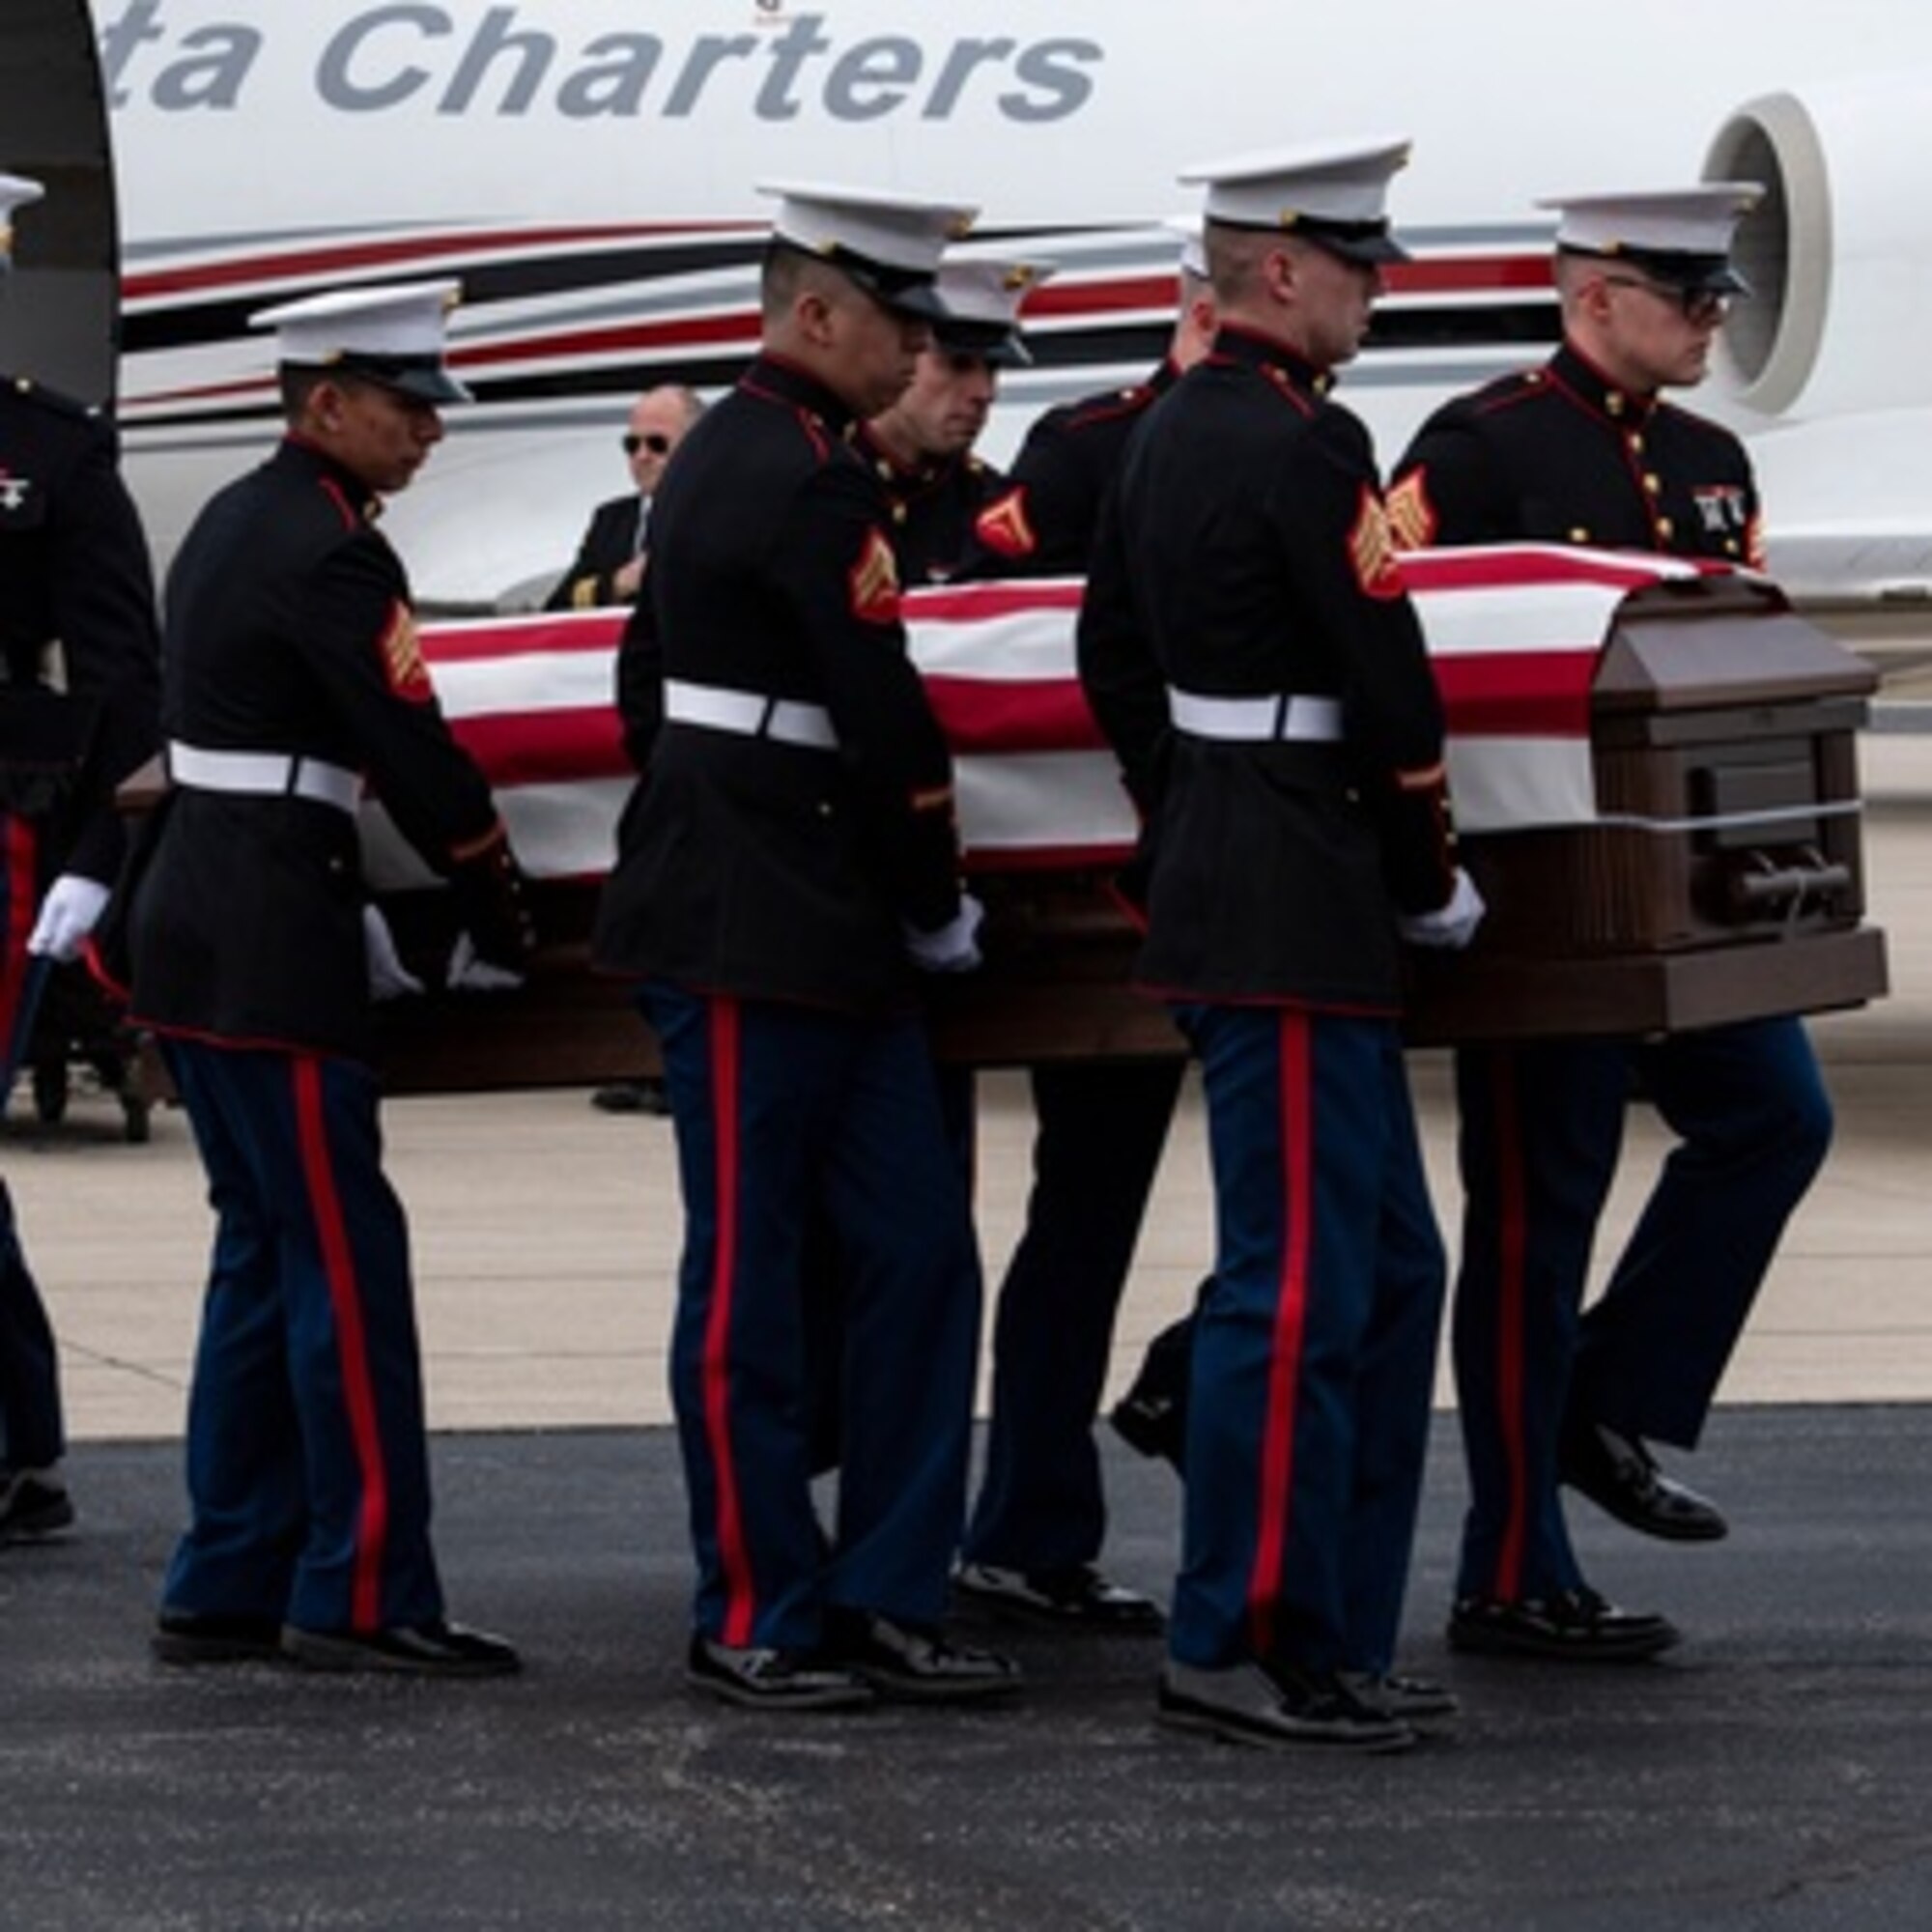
[(1513, 633)]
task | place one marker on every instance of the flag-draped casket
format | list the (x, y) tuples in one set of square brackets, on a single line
[(1652, 765)]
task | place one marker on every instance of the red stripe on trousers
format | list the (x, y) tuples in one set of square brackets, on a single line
[(1511, 1262), (345, 1295), (727, 1070), (20, 858), (1291, 1326)]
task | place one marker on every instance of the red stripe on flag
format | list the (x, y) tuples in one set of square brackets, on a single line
[(980, 714), (963, 603), (1517, 694), (480, 644), (517, 748), (1513, 569), (1061, 858)]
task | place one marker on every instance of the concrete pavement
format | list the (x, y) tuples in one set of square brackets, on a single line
[(547, 1232)]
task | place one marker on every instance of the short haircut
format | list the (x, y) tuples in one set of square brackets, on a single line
[(691, 403), (1235, 258), (299, 381), (788, 272)]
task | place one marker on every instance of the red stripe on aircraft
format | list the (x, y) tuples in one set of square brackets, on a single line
[(402, 252), (1467, 274), (741, 325), (1425, 275)]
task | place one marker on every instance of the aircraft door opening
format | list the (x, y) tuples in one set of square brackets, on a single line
[(59, 310)]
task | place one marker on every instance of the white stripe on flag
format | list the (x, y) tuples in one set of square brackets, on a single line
[(1510, 785)]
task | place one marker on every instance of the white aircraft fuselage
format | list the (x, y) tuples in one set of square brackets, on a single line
[(588, 171)]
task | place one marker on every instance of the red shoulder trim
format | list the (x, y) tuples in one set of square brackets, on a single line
[(1525, 386), (333, 490), (1109, 409)]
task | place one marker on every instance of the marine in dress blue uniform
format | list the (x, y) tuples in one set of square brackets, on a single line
[(74, 573), (920, 450), (788, 861), (1039, 1518), (292, 676), (1249, 650), (923, 446), (1585, 450)]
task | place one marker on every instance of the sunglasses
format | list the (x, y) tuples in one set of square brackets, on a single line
[(1700, 306), (655, 440)]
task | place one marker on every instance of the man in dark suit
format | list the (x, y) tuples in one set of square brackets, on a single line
[(608, 569), (73, 573), (610, 561)]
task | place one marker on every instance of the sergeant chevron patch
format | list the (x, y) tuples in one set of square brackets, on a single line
[(874, 582), (403, 659), (1371, 550)]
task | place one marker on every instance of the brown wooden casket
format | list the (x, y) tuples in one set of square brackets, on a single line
[(1656, 786), (1723, 878)]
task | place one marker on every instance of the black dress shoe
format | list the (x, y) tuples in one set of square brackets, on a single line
[(1409, 1700), (33, 1505), (1620, 1475), (1077, 1596), (1152, 1417), (187, 1638), (1576, 1624), (1152, 1426), (436, 1649), (760, 1677), (915, 1664), (632, 1096), (1257, 1703)]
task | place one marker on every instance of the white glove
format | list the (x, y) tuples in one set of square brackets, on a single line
[(469, 974), (388, 977), (955, 947), (68, 913), (1452, 925)]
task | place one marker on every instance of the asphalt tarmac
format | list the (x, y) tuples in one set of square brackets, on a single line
[(1770, 1774)]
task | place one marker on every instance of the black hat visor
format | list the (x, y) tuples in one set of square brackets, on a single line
[(423, 379)]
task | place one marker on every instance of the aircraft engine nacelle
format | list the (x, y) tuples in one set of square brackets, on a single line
[(1839, 255)]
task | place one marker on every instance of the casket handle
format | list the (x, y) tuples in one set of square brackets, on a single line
[(1792, 886)]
